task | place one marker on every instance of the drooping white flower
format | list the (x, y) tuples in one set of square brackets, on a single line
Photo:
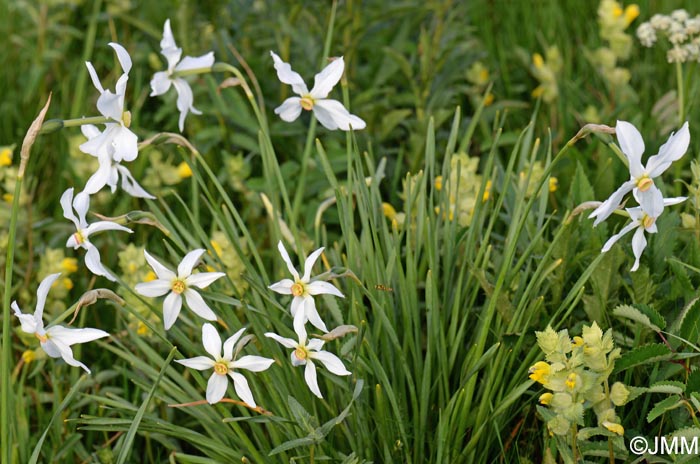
[(641, 181), (57, 340), (177, 285), (331, 113), (225, 366), (306, 352), (162, 80), (80, 239), (110, 171), (644, 221), (303, 305), (117, 140)]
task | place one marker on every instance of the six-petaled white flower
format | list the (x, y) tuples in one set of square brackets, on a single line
[(303, 306), (162, 80), (331, 113), (117, 140), (305, 353), (80, 239), (641, 181), (177, 285), (57, 340), (644, 220), (110, 171), (225, 366)]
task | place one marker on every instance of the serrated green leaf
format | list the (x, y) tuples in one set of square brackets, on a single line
[(693, 382), (687, 432), (287, 445), (664, 405), (645, 354), (306, 421), (690, 324), (635, 392), (630, 312), (653, 315), (667, 386)]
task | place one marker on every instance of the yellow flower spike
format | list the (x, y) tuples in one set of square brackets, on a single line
[(183, 170), (28, 356), (69, 265), (571, 381), (438, 183), (553, 184), (150, 276), (614, 428), (545, 398), (388, 211), (631, 13), (6, 157), (538, 61), (539, 371)]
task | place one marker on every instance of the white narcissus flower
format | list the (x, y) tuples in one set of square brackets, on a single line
[(177, 285), (303, 306), (162, 80), (110, 171), (80, 239), (225, 366), (644, 221), (57, 340), (116, 140), (331, 113), (641, 181), (306, 353)]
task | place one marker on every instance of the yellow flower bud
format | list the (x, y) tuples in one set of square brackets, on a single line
[(545, 398), (216, 246), (150, 276), (487, 191), (578, 341), (553, 184), (183, 170), (571, 381), (28, 356), (5, 157), (537, 60), (67, 283), (69, 265), (614, 428), (438, 183), (488, 100), (389, 211), (631, 13)]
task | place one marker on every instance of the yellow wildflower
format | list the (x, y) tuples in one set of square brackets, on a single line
[(28, 356), (69, 265), (150, 276), (537, 60), (545, 398), (571, 381), (614, 428), (5, 157), (438, 183), (389, 211), (183, 170), (578, 341), (553, 184), (539, 371), (631, 13)]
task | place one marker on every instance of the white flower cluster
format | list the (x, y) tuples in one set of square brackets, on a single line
[(641, 184), (116, 144), (681, 30)]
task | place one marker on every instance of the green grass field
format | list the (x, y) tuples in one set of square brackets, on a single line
[(413, 261)]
